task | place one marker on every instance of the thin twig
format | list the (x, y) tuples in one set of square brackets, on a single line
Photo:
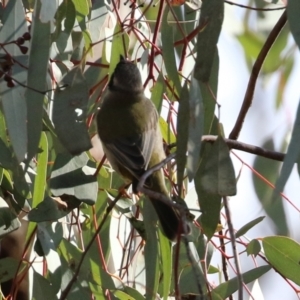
[(224, 262), (235, 254), (254, 74), (254, 8)]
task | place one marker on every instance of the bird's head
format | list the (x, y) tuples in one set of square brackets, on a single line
[(126, 77)]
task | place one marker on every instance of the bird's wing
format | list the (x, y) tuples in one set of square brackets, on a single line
[(134, 152)]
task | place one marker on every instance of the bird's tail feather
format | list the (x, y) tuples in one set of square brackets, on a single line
[(169, 219)]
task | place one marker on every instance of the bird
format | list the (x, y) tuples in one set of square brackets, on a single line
[(128, 128)]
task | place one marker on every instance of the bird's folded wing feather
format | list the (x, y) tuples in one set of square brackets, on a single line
[(134, 152)]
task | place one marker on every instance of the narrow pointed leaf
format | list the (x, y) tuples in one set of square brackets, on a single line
[(211, 19), (248, 226), (219, 176), (13, 104), (182, 133), (196, 123), (226, 289)]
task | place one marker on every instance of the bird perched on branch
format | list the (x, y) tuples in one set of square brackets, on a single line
[(129, 131)]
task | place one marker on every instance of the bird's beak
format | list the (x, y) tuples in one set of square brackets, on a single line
[(122, 58)]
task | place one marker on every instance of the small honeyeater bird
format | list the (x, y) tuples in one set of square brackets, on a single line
[(129, 131)]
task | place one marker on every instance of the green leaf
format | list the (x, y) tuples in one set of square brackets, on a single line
[(226, 289), (69, 112), (6, 160), (151, 250), (293, 12), (218, 174), (8, 268), (37, 71), (12, 99), (167, 38), (210, 204), (182, 133), (133, 293), (284, 255), (47, 210), (120, 40), (248, 226), (209, 96), (9, 222), (166, 264), (49, 252), (166, 132), (291, 156), (196, 127), (211, 19), (71, 176), (158, 92), (41, 172), (190, 270), (122, 296), (271, 202), (253, 248), (42, 287), (82, 7)]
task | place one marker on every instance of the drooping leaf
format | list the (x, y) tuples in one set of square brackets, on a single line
[(291, 156), (196, 124), (69, 112), (13, 104), (293, 11), (211, 19), (210, 204), (166, 264), (151, 251), (226, 289), (209, 96), (182, 133), (41, 172), (218, 174), (167, 38), (283, 255), (36, 81), (272, 202), (157, 93)]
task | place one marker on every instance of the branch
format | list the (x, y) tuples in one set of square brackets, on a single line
[(247, 148), (254, 74)]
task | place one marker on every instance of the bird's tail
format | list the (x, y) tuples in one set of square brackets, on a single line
[(168, 217)]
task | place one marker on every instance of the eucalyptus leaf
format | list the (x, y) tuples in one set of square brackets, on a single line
[(283, 255), (69, 112)]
